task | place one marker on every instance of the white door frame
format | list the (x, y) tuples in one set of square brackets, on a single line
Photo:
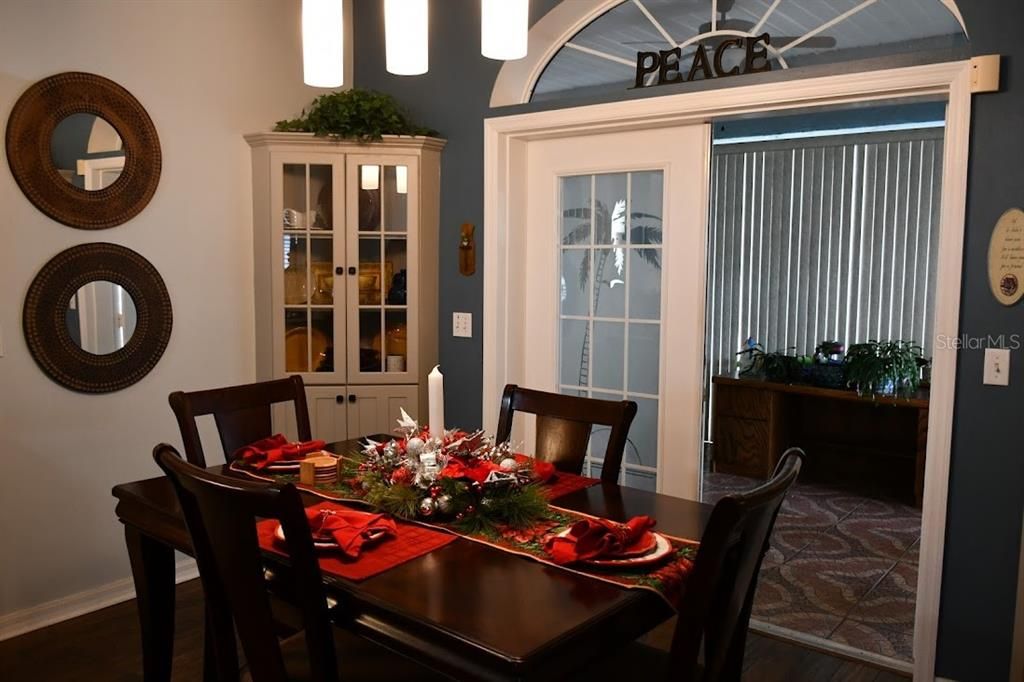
[(505, 148)]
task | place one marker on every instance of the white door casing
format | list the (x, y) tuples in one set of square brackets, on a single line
[(506, 141)]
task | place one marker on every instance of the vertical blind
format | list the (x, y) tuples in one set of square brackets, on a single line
[(831, 238)]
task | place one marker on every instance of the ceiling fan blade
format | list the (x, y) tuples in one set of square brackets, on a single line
[(725, 24), (822, 42)]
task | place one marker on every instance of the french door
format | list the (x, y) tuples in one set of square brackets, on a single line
[(613, 289)]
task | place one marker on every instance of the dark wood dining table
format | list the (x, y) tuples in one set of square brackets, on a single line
[(470, 610)]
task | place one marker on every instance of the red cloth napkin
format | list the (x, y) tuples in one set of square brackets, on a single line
[(596, 539), (350, 529), (276, 448)]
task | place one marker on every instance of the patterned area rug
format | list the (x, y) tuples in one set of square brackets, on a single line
[(842, 566)]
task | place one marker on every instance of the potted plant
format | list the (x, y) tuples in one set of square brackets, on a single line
[(779, 367), (363, 115), (885, 367)]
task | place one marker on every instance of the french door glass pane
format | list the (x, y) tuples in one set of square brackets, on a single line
[(575, 283), (610, 237), (610, 283), (607, 355), (576, 192)]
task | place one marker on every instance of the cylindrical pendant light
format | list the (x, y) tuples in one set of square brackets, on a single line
[(405, 36), (504, 25), (323, 43)]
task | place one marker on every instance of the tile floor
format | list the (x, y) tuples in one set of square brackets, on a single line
[(842, 566)]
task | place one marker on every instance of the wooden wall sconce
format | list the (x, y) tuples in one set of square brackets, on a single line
[(467, 250)]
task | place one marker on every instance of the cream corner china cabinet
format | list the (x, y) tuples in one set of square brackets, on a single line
[(345, 237)]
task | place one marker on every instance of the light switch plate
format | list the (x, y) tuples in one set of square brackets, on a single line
[(997, 366), (462, 325)]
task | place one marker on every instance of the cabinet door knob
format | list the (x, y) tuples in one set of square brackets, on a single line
[(351, 269), (340, 270), (339, 399), (351, 397)]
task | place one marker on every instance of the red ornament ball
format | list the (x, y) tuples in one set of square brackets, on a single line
[(435, 490)]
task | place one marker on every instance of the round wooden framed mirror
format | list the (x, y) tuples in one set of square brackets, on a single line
[(97, 318), (83, 150)]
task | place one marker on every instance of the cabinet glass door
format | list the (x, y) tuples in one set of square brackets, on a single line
[(308, 261), (380, 321)]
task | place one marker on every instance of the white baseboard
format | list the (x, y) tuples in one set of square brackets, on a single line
[(86, 601), (830, 647)]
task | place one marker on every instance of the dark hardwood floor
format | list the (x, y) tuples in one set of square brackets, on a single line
[(104, 646)]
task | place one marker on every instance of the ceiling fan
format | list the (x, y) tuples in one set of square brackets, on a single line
[(725, 23), (744, 26)]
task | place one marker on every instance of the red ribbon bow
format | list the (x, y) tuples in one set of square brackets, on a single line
[(349, 528), (276, 448), (596, 539)]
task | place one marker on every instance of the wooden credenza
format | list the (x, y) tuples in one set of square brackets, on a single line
[(754, 421)]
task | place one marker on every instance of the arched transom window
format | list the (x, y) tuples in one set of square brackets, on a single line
[(601, 55)]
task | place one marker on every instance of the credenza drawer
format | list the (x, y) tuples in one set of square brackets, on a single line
[(742, 447), (738, 401)]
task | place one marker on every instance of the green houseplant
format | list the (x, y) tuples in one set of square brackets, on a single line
[(363, 115), (780, 367), (885, 367)]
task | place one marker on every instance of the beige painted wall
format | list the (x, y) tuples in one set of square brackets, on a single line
[(207, 71)]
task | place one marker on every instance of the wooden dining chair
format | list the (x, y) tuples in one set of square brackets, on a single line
[(221, 514), (564, 424), (714, 611), (242, 414)]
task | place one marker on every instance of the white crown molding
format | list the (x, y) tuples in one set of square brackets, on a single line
[(398, 142)]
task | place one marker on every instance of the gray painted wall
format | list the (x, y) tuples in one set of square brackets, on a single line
[(983, 536)]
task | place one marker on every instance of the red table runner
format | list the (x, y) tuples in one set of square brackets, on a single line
[(413, 540), (667, 579)]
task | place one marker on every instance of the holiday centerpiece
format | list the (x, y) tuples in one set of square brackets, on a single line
[(456, 477)]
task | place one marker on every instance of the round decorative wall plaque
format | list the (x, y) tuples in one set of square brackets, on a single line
[(1006, 258)]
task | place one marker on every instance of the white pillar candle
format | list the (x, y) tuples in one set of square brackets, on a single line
[(435, 395)]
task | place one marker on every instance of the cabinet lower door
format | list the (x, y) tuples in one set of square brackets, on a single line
[(328, 412), (377, 408)]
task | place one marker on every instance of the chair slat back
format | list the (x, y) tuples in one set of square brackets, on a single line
[(564, 426), (715, 609), (221, 515), (242, 414)]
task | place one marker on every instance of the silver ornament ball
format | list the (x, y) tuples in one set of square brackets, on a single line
[(427, 506), (509, 463), (444, 504)]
